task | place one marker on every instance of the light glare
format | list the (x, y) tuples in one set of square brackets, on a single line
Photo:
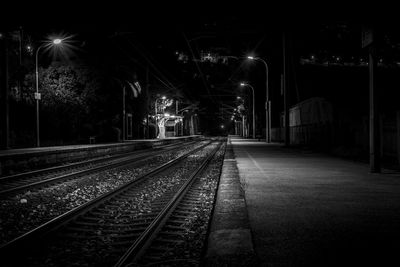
[(57, 41)]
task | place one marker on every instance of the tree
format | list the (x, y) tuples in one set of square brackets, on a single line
[(69, 99)]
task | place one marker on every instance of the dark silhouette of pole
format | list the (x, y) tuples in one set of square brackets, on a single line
[(37, 96), (286, 87), (4, 93), (147, 94), (123, 115), (253, 104), (56, 41), (374, 131), (267, 101)]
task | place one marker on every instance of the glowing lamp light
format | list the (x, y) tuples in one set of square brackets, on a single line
[(250, 57), (163, 97), (242, 84), (57, 41), (166, 114)]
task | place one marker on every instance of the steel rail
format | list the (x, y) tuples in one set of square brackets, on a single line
[(145, 239), (27, 240), (76, 174)]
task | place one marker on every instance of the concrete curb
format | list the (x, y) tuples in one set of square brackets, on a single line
[(230, 242)]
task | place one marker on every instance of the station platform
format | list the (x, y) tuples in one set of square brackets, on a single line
[(303, 208), (22, 159)]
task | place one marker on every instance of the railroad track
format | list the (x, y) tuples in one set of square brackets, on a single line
[(29, 180), (109, 224), (164, 243)]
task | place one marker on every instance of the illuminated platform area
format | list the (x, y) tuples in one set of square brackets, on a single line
[(311, 209)]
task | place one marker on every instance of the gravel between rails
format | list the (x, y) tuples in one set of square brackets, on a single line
[(97, 246), (28, 210), (189, 249)]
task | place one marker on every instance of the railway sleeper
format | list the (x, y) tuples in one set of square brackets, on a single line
[(89, 218), (176, 222), (174, 228)]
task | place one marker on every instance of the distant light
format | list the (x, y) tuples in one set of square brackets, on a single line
[(250, 57), (166, 114), (312, 57), (163, 97), (57, 41), (238, 97), (243, 84), (222, 126), (172, 116)]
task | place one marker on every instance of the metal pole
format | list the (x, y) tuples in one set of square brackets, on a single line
[(37, 97), (155, 113), (243, 127), (285, 90), (147, 95), (269, 122), (374, 137), (254, 117), (267, 113), (123, 114), (267, 102), (4, 93)]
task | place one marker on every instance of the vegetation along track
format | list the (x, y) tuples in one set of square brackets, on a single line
[(38, 178), (100, 231)]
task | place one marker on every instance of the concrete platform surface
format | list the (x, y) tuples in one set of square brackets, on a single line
[(229, 241), (310, 209)]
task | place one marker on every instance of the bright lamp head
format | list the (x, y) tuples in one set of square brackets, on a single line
[(57, 41)]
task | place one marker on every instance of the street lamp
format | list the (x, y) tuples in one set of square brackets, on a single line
[(254, 118), (155, 113), (37, 94), (267, 102)]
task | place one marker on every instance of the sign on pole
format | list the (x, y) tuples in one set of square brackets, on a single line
[(367, 37)]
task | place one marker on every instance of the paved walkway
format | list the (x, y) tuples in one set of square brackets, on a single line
[(309, 209)]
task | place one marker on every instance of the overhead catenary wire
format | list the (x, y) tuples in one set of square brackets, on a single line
[(199, 70), (160, 77)]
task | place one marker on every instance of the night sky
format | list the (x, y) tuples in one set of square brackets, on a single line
[(143, 31)]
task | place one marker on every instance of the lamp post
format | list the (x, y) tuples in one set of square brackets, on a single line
[(243, 119), (267, 101), (155, 113), (254, 118), (37, 94)]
